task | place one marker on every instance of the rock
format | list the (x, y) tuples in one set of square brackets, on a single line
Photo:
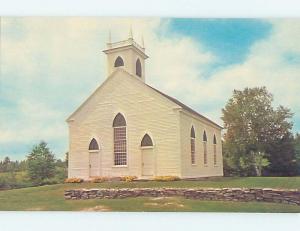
[(226, 194)]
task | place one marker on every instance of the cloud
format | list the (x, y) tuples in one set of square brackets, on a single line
[(50, 65), (264, 66)]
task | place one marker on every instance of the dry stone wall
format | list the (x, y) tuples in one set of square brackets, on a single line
[(218, 194)]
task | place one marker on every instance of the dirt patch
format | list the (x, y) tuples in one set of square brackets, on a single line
[(36, 209), (160, 198), (98, 208), (164, 202)]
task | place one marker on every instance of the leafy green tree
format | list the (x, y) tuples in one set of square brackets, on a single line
[(252, 125), (40, 163), (259, 161), (297, 151)]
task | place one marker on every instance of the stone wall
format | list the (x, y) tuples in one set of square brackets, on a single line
[(220, 194)]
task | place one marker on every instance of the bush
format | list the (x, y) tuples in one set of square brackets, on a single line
[(73, 180), (4, 184), (166, 178), (99, 179), (60, 174), (10, 180), (49, 181), (128, 178)]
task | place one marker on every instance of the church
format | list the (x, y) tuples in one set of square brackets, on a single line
[(128, 128)]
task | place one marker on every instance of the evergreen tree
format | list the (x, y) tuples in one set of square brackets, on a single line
[(40, 163), (282, 157)]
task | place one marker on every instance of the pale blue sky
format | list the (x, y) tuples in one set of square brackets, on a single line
[(50, 65)]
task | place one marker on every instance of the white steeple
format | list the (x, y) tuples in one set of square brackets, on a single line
[(126, 54), (143, 43), (130, 33), (109, 36)]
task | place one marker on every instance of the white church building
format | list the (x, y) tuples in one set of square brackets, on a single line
[(128, 128)]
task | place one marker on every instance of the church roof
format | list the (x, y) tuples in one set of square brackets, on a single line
[(185, 107), (182, 105)]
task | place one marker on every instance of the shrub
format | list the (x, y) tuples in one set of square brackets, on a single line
[(12, 180), (99, 179), (4, 182), (60, 174), (128, 178), (166, 178), (73, 180), (49, 181)]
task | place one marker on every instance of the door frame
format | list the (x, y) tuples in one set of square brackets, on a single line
[(142, 160), (99, 162)]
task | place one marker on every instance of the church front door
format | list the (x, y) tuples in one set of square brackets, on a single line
[(147, 162), (94, 164)]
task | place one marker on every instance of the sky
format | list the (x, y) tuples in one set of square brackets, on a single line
[(50, 65)]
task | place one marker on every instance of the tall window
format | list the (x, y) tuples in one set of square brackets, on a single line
[(215, 150), (93, 145), (146, 141), (205, 147), (193, 145), (119, 62), (120, 144), (138, 68)]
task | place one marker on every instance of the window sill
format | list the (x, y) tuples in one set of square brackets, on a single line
[(147, 147), (194, 164), (206, 165), (93, 151), (120, 166)]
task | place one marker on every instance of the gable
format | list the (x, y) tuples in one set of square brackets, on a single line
[(143, 87), (110, 85)]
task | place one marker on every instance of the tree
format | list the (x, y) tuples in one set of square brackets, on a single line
[(67, 158), (6, 164), (297, 151), (259, 161), (40, 163), (252, 125), (282, 157)]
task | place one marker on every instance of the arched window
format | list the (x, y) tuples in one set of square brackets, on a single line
[(119, 62), (215, 150), (119, 121), (204, 136), (93, 145), (120, 144), (138, 68), (205, 147), (146, 141), (193, 145)]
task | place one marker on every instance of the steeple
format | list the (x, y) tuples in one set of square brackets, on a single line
[(143, 43), (130, 33), (109, 36), (126, 54)]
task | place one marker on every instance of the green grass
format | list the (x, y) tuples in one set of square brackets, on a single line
[(218, 182), (51, 197)]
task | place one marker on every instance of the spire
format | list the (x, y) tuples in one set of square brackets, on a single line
[(130, 33), (109, 36), (143, 44)]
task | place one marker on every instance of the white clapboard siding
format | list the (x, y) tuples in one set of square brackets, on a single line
[(145, 111)]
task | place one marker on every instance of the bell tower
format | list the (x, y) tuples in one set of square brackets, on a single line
[(126, 54)]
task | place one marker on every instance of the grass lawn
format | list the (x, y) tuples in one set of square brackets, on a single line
[(51, 197)]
